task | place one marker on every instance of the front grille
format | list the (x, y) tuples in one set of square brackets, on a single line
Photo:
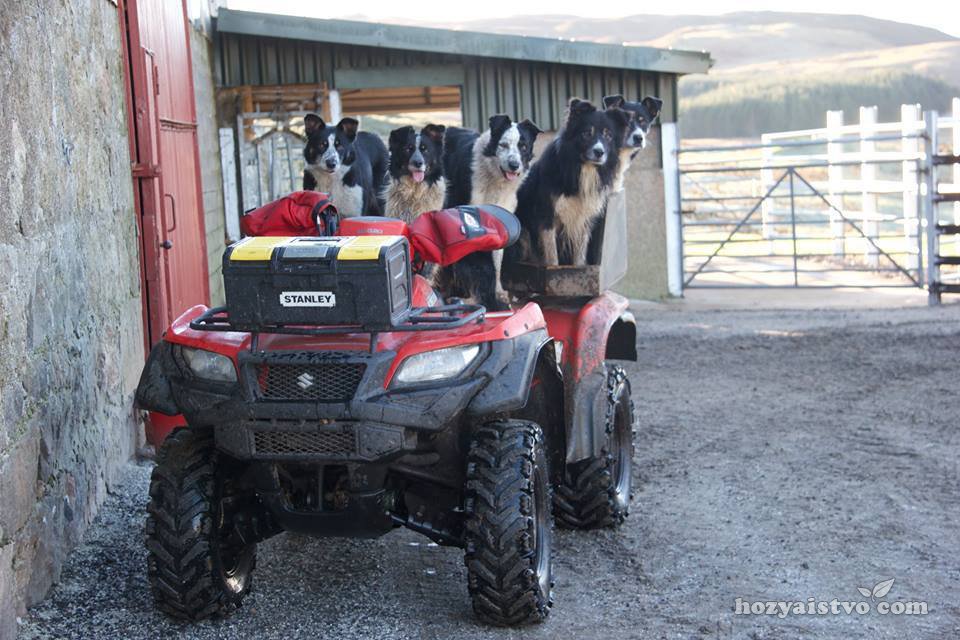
[(330, 443), (330, 382)]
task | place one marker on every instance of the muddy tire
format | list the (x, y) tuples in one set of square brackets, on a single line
[(509, 524), (595, 492), (195, 570)]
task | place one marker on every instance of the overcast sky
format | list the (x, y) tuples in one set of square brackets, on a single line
[(939, 14)]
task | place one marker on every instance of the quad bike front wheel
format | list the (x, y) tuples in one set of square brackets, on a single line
[(509, 524), (196, 568), (595, 492)]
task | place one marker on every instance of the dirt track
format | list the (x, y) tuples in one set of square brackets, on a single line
[(782, 456)]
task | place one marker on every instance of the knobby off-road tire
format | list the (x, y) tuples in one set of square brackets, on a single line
[(195, 571), (509, 524), (596, 492)]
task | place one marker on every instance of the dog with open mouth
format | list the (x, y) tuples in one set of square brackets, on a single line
[(348, 165), (484, 168), (416, 182), (642, 115), (488, 167)]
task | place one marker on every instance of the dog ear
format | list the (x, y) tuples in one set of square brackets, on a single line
[(530, 128), (652, 105), (312, 123), (435, 131), (498, 124), (610, 102), (349, 126), (397, 135), (580, 108)]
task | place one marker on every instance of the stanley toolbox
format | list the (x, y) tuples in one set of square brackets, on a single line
[(275, 281)]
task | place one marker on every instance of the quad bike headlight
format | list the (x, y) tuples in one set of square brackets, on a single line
[(437, 365), (209, 365)]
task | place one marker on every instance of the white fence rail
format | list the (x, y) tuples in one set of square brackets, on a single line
[(826, 202)]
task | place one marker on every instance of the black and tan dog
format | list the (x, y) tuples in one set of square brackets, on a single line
[(415, 183), (642, 114), (568, 187), (348, 165)]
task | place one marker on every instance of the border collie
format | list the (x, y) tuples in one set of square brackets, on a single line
[(348, 165), (488, 168), (416, 182), (642, 114), (485, 168), (568, 187)]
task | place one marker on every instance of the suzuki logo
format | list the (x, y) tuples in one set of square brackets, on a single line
[(305, 380)]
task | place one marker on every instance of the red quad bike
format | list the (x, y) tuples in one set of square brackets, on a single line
[(336, 395)]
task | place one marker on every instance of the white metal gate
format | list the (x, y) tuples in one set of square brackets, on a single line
[(843, 206)]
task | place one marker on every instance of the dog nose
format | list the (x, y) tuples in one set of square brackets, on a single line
[(513, 164), (637, 138), (331, 163), (598, 152), (417, 163)]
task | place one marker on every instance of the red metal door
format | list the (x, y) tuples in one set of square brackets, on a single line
[(166, 168)]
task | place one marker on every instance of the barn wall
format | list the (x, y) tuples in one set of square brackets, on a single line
[(540, 91), (71, 341), (535, 90)]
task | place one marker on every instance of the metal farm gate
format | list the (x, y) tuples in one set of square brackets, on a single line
[(844, 206)]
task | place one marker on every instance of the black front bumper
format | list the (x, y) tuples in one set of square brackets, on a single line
[(266, 417)]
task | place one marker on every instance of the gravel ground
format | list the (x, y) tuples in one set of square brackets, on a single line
[(782, 456)]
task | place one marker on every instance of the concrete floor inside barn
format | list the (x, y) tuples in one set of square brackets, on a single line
[(791, 445)]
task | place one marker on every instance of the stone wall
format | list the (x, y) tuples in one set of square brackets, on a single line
[(208, 139), (71, 343)]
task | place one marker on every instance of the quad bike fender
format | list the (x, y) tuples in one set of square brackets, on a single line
[(153, 391), (587, 429), (512, 364), (602, 329)]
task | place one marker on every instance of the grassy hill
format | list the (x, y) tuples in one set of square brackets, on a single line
[(733, 39), (776, 71), (773, 96), (744, 108)]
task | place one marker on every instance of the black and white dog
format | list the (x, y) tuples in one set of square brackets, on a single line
[(642, 114), (485, 168), (416, 181), (568, 187), (488, 167), (348, 165)]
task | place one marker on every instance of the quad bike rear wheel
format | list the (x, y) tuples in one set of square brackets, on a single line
[(509, 524), (196, 568), (595, 492)]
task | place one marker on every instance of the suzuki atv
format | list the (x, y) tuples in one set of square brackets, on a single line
[(337, 395)]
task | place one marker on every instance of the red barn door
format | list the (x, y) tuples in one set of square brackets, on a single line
[(166, 168)]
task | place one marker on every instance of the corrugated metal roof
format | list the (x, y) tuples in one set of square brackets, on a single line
[(464, 43)]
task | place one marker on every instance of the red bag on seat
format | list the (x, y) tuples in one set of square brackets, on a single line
[(302, 213), (445, 236)]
